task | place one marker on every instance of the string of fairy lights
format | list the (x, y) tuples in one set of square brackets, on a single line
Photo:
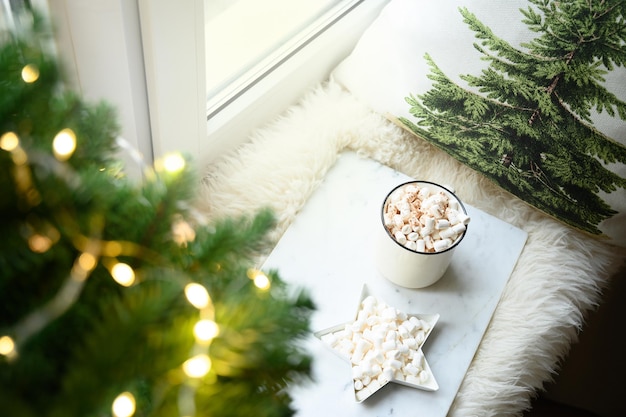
[(94, 251)]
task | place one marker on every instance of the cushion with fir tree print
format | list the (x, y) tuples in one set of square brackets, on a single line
[(532, 94)]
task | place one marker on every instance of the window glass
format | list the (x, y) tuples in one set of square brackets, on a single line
[(245, 38)]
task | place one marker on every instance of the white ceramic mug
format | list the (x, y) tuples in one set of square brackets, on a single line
[(406, 267)]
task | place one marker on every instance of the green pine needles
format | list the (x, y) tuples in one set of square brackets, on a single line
[(73, 338), (527, 122)]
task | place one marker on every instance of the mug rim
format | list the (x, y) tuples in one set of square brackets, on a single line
[(382, 217)]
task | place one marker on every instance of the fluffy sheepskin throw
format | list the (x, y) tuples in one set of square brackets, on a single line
[(558, 279)]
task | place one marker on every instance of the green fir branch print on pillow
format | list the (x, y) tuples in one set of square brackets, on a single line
[(525, 120)]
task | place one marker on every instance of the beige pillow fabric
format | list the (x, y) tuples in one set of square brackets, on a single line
[(532, 94)]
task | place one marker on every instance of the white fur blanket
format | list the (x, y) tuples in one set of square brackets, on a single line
[(558, 279)]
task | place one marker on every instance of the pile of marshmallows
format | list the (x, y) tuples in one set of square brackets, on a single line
[(423, 220), (382, 344)]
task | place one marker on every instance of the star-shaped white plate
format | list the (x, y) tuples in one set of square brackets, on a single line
[(383, 345)]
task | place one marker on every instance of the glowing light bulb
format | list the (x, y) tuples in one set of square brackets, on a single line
[(9, 141), (64, 144), (174, 163), (39, 243), (7, 346), (261, 281), (124, 405), (198, 366), (206, 330), (197, 295), (30, 73), (123, 274), (87, 261)]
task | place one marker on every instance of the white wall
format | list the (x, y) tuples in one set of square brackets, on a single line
[(100, 44)]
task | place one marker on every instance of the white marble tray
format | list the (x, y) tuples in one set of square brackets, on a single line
[(427, 324), (328, 250)]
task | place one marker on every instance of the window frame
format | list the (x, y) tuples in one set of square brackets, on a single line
[(161, 72), (265, 99), (309, 65)]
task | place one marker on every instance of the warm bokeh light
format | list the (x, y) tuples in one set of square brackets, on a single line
[(124, 405), (197, 295), (87, 261), (174, 163), (123, 274), (64, 144), (7, 346), (112, 248), (198, 366), (261, 281), (39, 243), (206, 330), (30, 73), (9, 141)]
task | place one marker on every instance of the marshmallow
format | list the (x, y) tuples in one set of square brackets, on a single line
[(415, 213), (383, 344), (435, 211), (416, 322), (383, 378), (464, 218), (448, 233), (390, 313), (361, 348), (403, 349), (363, 393), (403, 331), (441, 245), (409, 325), (393, 364), (400, 237), (392, 354), (398, 221), (411, 369), (388, 374), (374, 385), (358, 325), (459, 228), (423, 376), (372, 320), (442, 224), (389, 345), (411, 245), (410, 342), (413, 379)]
